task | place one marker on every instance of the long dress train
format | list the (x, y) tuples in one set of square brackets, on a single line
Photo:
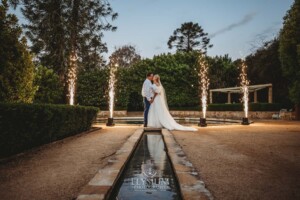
[(159, 115)]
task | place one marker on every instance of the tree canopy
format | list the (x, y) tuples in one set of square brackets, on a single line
[(289, 50), (125, 56), (264, 67), (67, 35)]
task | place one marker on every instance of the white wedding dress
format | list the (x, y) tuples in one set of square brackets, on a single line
[(159, 115)]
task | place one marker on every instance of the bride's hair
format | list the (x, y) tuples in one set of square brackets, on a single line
[(156, 76), (163, 93)]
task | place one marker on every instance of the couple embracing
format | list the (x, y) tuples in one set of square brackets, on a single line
[(156, 112)]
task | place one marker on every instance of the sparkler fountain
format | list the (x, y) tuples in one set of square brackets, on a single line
[(111, 93), (72, 77), (245, 92), (204, 84)]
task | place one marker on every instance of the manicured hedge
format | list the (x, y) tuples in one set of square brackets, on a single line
[(225, 107), (23, 126), (239, 107), (265, 107), (234, 107), (194, 108)]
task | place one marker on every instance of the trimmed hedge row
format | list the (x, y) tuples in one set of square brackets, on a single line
[(23, 126), (239, 107), (265, 106), (234, 107)]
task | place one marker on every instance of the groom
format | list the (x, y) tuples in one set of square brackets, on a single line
[(147, 94)]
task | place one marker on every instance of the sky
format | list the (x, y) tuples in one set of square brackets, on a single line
[(236, 27)]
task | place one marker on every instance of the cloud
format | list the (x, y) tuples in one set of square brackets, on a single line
[(247, 18)]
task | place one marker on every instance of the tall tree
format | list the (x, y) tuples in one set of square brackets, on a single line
[(16, 67), (67, 34), (190, 36), (125, 56), (289, 49)]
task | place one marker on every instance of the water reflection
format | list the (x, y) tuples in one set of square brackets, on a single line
[(149, 174)]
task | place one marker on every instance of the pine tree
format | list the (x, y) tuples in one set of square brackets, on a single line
[(190, 36), (16, 66)]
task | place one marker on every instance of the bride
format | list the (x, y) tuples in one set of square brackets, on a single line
[(159, 115)]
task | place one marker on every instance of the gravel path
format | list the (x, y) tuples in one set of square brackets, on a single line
[(59, 170), (260, 161)]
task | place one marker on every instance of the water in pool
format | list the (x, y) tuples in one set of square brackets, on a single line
[(148, 174)]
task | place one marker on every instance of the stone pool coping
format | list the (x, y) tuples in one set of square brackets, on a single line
[(209, 114), (191, 186), (190, 183), (101, 184)]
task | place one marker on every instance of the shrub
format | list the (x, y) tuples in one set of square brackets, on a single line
[(178, 75), (233, 107), (92, 88), (50, 89), (194, 108), (225, 107), (23, 126), (265, 106), (239, 107)]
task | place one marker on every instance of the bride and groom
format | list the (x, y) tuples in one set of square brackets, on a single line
[(156, 112)]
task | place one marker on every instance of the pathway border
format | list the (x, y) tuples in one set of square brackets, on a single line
[(190, 183), (102, 183)]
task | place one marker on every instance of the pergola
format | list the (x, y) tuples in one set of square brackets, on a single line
[(251, 88)]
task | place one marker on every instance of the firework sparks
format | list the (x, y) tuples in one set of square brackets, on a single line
[(244, 88), (72, 77), (111, 93), (203, 82)]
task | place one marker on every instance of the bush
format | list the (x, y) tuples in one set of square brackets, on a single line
[(232, 107), (50, 89), (92, 88), (194, 108), (23, 126), (225, 107), (265, 106), (178, 74), (239, 107)]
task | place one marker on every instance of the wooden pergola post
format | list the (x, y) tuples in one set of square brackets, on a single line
[(228, 97), (270, 96), (255, 96)]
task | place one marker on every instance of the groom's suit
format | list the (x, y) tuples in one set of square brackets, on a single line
[(147, 94)]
